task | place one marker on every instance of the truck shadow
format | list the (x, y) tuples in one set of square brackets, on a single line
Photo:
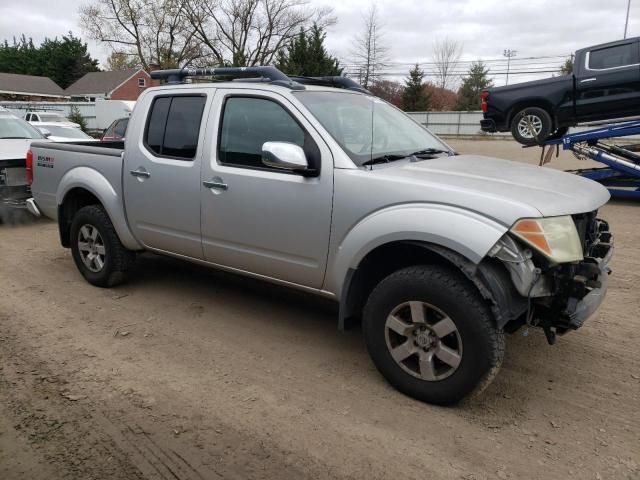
[(529, 370)]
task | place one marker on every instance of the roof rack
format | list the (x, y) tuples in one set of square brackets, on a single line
[(258, 74), (271, 74), (334, 81)]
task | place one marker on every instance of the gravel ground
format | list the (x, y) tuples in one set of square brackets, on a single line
[(187, 373)]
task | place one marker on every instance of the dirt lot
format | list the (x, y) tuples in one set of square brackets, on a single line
[(187, 373)]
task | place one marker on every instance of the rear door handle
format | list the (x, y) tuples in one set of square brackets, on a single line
[(593, 79), (140, 173), (216, 185)]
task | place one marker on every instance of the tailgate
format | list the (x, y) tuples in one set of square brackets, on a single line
[(13, 173)]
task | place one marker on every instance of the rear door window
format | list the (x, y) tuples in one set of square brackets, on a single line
[(173, 126), (614, 57)]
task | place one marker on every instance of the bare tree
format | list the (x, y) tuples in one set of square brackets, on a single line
[(370, 54), (445, 57), (156, 31), (122, 61), (252, 32)]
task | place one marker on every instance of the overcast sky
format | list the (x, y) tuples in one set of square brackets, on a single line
[(485, 27)]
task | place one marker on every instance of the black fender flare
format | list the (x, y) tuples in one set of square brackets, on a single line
[(490, 278)]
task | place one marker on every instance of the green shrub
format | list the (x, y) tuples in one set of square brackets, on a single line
[(76, 117)]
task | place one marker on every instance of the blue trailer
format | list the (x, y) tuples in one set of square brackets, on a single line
[(621, 175)]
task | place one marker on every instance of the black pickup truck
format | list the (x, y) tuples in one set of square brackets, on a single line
[(605, 85)]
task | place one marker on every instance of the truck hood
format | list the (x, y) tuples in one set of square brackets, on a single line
[(502, 189), (14, 148)]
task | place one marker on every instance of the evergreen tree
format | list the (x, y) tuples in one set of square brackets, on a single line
[(415, 97), (307, 56), (567, 67), (473, 84), (64, 61), (76, 117)]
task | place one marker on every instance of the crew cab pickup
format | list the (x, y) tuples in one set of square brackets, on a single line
[(335, 192), (605, 85)]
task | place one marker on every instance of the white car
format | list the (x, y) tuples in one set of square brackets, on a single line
[(16, 136), (49, 117), (61, 133)]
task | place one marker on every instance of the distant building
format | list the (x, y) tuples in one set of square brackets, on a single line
[(116, 85), (30, 88)]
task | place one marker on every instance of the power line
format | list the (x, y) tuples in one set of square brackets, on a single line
[(461, 73), (522, 60)]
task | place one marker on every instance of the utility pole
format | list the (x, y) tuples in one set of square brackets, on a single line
[(626, 23), (509, 54)]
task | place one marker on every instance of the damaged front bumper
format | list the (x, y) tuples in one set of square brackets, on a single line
[(557, 297), (581, 287)]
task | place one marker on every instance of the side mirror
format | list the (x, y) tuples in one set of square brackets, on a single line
[(284, 156), (44, 132)]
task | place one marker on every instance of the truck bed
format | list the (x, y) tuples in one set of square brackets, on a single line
[(58, 166)]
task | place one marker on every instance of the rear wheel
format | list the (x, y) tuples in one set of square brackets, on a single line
[(97, 251), (431, 334), (531, 125)]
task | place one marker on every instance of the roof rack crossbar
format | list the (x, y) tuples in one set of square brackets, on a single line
[(178, 75)]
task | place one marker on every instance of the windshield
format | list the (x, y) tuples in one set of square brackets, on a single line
[(68, 132), (367, 127), (11, 127)]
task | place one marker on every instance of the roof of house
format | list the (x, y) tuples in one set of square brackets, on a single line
[(98, 83), (29, 85)]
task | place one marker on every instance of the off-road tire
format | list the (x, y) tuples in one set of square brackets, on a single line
[(546, 125), (455, 295), (117, 259)]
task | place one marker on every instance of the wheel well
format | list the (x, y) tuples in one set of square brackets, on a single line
[(378, 264), (539, 103), (74, 200)]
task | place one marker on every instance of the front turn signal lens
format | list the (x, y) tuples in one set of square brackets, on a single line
[(554, 237)]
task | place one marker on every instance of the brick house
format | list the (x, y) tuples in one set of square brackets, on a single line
[(14, 87), (117, 85)]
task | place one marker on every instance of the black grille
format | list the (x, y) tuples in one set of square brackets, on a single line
[(587, 227)]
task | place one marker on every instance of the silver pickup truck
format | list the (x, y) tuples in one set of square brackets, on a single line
[(315, 184)]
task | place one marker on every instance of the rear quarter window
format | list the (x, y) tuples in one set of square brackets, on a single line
[(614, 57)]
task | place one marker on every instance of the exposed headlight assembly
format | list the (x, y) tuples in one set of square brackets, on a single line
[(554, 237)]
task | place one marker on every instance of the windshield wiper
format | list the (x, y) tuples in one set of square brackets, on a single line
[(429, 151), (384, 159), (392, 157)]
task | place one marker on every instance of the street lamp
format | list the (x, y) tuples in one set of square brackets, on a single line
[(626, 23), (509, 54)]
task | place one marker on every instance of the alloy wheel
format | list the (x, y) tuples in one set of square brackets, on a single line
[(529, 126), (91, 248), (423, 340)]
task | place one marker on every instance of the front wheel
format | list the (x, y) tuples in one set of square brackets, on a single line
[(97, 251), (531, 125), (431, 335)]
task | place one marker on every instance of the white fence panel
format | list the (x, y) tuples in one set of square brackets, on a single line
[(451, 123), (87, 109)]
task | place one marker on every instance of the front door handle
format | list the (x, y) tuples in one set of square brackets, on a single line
[(140, 173), (592, 79), (215, 184)]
